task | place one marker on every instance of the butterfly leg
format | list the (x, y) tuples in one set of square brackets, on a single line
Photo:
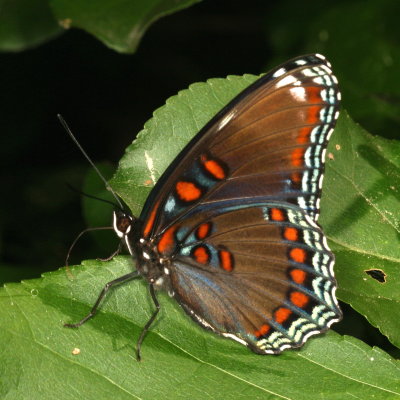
[(110, 257), (107, 287), (149, 322)]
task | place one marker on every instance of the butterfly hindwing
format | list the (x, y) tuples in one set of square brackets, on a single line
[(259, 272)]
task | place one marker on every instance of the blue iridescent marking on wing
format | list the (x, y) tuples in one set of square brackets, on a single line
[(196, 276)]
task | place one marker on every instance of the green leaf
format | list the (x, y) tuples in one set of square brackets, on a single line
[(118, 24), (25, 24), (180, 360), (360, 206)]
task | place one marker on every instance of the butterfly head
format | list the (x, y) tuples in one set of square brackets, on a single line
[(122, 223)]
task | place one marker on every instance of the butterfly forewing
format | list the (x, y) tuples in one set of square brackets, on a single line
[(269, 141)]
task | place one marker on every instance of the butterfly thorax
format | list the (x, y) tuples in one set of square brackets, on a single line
[(153, 267)]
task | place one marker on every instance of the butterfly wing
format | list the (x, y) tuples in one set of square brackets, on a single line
[(257, 272), (269, 141), (233, 217)]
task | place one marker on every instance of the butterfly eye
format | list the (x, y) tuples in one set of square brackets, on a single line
[(122, 223)]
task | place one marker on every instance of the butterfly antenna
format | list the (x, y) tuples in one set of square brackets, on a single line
[(108, 187), (90, 196)]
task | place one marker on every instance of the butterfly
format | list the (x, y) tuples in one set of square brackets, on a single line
[(230, 229)]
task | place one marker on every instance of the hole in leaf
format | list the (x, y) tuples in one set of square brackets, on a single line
[(376, 274)]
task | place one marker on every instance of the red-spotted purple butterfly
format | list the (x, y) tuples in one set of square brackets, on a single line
[(230, 229)]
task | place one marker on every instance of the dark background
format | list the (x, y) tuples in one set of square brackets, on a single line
[(106, 98)]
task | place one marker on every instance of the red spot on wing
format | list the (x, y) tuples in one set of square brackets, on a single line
[(298, 276), (304, 135), (167, 240), (314, 94), (291, 234), (282, 314), (297, 157), (226, 260), (150, 221), (264, 329), (299, 299), (187, 191), (215, 169), (296, 177), (298, 255), (203, 230), (277, 214), (313, 115), (201, 255)]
